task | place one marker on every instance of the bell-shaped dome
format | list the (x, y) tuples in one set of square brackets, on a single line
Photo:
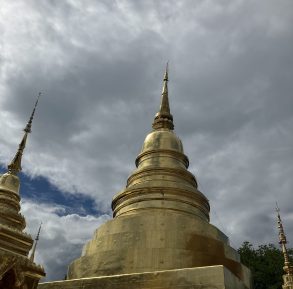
[(162, 148), (162, 139)]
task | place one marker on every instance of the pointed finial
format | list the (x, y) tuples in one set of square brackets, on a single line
[(164, 118), (166, 72), (32, 257), (15, 166), (28, 127), (283, 241), (278, 211), (277, 208)]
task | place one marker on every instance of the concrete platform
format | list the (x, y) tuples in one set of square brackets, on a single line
[(212, 277)]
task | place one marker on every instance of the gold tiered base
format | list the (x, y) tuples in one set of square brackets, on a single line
[(156, 240), (213, 277), (16, 269)]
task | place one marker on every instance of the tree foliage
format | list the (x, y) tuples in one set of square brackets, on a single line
[(266, 264)]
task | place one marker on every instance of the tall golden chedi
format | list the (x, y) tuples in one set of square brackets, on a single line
[(288, 268), (17, 270), (160, 236)]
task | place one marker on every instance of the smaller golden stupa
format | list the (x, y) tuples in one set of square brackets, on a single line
[(288, 268), (17, 270)]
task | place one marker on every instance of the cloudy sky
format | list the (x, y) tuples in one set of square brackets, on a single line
[(100, 65)]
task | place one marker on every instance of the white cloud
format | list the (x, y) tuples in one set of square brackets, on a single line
[(62, 237)]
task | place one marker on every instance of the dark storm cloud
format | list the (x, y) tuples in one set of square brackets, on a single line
[(100, 65)]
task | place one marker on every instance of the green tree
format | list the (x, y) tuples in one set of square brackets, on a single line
[(266, 264)]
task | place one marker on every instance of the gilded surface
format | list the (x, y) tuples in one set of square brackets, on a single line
[(16, 270), (12, 223), (154, 240), (161, 219)]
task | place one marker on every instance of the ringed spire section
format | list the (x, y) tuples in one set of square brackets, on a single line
[(15, 166)]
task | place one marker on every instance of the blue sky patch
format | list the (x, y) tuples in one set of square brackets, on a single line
[(40, 190)]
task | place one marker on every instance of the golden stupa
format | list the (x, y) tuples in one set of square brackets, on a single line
[(160, 236), (17, 270)]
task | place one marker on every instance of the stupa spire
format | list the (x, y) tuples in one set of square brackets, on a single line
[(164, 118), (283, 241), (165, 108), (15, 166), (32, 257)]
